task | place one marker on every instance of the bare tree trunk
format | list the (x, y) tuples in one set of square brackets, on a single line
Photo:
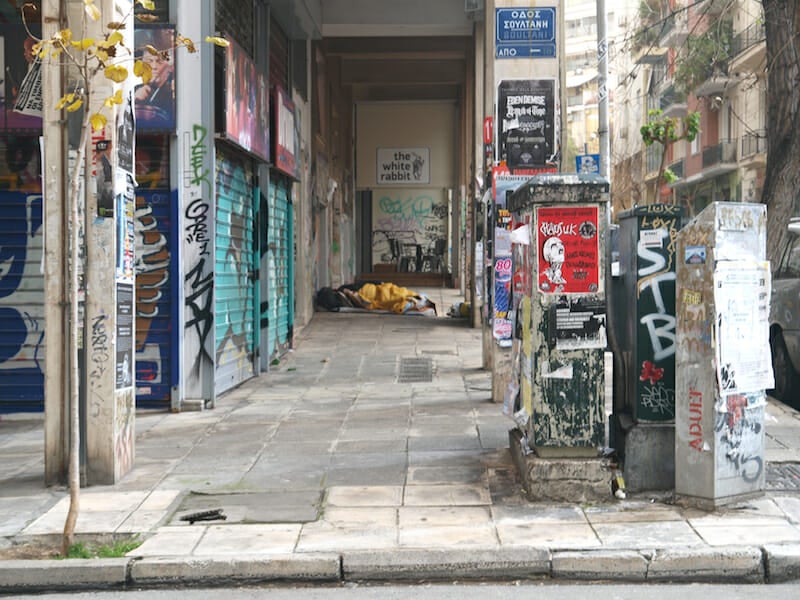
[(68, 538), (660, 179), (782, 184)]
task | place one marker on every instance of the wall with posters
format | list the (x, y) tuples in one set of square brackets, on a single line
[(155, 100), (406, 155), (526, 122)]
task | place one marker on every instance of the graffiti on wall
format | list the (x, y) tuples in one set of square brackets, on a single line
[(199, 261), (407, 226), (739, 429), (655, 288), (21, 300), (234, 293), (153, 259), (279, 265)]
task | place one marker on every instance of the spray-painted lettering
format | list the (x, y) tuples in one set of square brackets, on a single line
[(696, 419), (197, 225), (100, 352), (200, 172)]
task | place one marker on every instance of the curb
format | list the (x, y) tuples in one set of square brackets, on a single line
[(153, 571), (729, 564), (445, 564), (63, 575), (782, 562), (612, 565), (777, 563)]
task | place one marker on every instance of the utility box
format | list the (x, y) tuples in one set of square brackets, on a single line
[(642, 331), (723, 362), (563, 315)]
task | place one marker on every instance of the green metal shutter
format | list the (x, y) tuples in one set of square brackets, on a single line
[(234, 272), (280, 261)]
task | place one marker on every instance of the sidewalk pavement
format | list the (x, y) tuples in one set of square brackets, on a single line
[(373, 451)]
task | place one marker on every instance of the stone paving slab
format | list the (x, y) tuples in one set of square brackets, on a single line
[(336, 475)]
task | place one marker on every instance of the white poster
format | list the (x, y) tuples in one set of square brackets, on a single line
[(398, 166), (742, 296)]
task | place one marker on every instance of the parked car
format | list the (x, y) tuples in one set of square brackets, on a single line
[(784, 321)]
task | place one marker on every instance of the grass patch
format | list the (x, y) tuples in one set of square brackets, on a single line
[(115, 550)]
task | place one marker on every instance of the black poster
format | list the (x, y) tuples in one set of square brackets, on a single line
[(577, 323), (526, 120)]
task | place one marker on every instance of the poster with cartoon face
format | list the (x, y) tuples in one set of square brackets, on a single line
[(568, 250)]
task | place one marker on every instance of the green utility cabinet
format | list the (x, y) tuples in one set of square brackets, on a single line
[(563, 311), (642, 335)]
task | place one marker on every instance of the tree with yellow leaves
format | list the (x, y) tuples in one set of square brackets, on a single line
[(99, 67)]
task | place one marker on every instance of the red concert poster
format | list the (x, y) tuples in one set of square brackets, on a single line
[(568, 250)]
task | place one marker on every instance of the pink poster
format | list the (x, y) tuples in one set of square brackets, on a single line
[(568, 250)]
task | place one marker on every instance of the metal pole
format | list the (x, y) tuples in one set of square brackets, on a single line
[(602, 90)]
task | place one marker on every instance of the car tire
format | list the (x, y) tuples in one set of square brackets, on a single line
[(787, 381)]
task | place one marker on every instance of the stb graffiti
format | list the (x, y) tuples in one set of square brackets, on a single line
[(655, 289), (21, 302)]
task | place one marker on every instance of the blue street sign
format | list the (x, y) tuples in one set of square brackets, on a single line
[(525, 32), (588, 163)]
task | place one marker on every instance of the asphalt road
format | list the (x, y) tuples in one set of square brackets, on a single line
[(451, 591)]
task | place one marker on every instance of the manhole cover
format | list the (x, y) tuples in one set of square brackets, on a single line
[(783, 476), (414, 370)]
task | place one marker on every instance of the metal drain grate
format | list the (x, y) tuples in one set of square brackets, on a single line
[(415, 370), (783, 477)]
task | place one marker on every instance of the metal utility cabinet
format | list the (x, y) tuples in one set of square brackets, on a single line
[(563, 313), (723, 360), (642, 320)]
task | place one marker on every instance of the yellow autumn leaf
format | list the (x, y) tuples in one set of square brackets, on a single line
[(186, 43), (147, 18), (82, 44), (72, 107), (63, 36), (143, 70), (64, 100), (116, 25), (116, 73), (218, 41), (98, 121), (115, 38), (112, 100), (147, 4)]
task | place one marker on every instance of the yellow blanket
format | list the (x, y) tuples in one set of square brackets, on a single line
[(388, 296)]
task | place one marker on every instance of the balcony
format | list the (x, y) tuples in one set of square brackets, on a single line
[(672, 103), (675, 30), (716, 82), (749, 49), (719, 159), (754, 149)]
